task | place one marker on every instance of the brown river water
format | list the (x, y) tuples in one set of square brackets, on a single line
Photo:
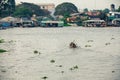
[(96, 58)]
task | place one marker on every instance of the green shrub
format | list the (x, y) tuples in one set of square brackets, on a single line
[(112, 38), (62, 71), (3, 70)]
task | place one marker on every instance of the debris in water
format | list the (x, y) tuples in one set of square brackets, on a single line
[(113, 71), (45, 77), (2, 41), (112, 38), (87, 45), (39, 52), (71, 69), (62, 71), (2, 50), (60, 65), (73, 45), (76, 67), (3, 70), (52, 61), (107, 44), (35, 52), (90, 40)]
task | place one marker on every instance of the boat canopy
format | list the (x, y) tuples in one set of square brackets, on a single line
[(94, 21)]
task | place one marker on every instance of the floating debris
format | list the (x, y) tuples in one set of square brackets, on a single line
[(73, 45), (87, 45), (11, 41), (71, 69), (2, 41), (60, 65), (2, 50), (45, 77), (52, 61), (112, 38), (76, 67), (39, 52), (90, 41), (113, 71), (35, 52), (107, 43)]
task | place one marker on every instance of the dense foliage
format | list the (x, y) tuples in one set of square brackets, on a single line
[(118, 9), (65, 8), (85, 10), (28, 9), (106, 10), (22, 12), (7, 7)]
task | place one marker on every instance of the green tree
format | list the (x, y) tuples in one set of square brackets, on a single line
[(7, 7), (33, 9), (78, 21), (106, 10), (22, 12), (118, 9), (86, 10), (65, 8), (102, 15)]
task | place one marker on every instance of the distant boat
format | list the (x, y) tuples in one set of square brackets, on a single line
[(94, 23), (52, 23)]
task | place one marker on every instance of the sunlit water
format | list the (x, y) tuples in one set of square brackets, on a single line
[(97, 57)]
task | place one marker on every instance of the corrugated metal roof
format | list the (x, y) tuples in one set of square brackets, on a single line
[(94, 21), (52, 22)]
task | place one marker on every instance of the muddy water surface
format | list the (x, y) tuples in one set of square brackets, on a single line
[(96, 58)]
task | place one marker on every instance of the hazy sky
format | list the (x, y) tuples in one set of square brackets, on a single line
[(81, 4)]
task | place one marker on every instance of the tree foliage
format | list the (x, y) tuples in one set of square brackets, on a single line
[(65, 8), (7, 7), (22, 12), (102, 15), (118, 9), (86, 10), (106, 10), (31, 9)]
